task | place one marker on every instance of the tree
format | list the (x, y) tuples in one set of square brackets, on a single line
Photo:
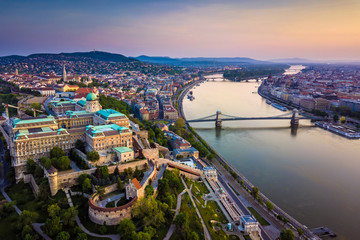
[(300, 231), (54, 210), (104, 171), (62, 163), (181, 220), (39, 172), (120, 184), (36, 106), (69, 216), (81, 236), (287, 234), (45, 162), (86, 185), (336, 118), (30, 165), (150, 211), (269, 206), (56, 152), (100, 191), (149, 190), (52, 226), (342, 120), (130, 172), (63, 236), (180, 123), (28, 217), (27, 230), (80, 145), (255, 192), (125, 228), (93, 156)]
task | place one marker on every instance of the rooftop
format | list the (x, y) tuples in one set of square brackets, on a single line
[(123, 149), (18, 121), (108, 113)]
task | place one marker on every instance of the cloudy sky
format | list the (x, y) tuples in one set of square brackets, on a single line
[(262, 29)]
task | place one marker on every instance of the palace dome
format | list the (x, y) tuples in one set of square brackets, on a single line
[(91, 97)]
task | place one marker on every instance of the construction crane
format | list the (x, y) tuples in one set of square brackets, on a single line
[(18, 110)]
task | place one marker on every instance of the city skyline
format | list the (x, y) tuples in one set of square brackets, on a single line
[(325, 30)]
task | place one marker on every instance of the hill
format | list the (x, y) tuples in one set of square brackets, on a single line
[(200, 61), (76, 56)]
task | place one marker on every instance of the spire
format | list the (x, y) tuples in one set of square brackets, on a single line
[(64, 74)]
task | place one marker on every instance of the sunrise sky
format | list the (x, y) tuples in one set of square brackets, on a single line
[(261, 29)]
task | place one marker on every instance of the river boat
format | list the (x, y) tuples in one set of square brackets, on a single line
[(278, 106), (268, 101)]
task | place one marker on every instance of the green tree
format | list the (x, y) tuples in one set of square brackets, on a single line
[(28, 217), (69, 216), (93, 156), (300, 231), (56, 152), (86, 185), (30, 165), (120, 184), (100, 191), (27, 230), (149, 190), (287, 234), (104, 172), (80, 145), (180, 123), (269, 206), (39, 172), (150, 211), (63, 236), (54, 210), (62, 163), (45, 162), (125, 228), (255, 192), (36, 106), (81, 236), (52, 226), (181, 220), (336, 118)]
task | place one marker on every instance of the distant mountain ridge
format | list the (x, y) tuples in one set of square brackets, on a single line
[(75, 56), (200, 60)]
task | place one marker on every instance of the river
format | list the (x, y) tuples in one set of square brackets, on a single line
[(313, 175)]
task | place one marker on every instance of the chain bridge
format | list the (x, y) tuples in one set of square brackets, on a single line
[(218, 118)]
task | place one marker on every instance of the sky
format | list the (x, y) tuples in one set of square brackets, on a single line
[(261, 29)]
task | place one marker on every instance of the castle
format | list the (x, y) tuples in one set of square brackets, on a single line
[(102, 130)]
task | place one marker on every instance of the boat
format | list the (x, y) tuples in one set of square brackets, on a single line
[(268, 101), (278, 106)]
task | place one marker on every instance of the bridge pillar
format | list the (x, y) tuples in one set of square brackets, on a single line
[(294, 122), (218, 121)]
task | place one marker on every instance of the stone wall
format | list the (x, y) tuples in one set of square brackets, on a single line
[(29, 178), (151, 154), (110, 216), (143, 134), (61, 180)]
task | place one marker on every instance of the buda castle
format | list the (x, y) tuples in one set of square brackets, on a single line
[(102, 130)]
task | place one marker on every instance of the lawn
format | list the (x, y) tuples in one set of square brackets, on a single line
[(258, 217)]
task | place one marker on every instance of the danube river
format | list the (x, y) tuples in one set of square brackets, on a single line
[(313, 175)]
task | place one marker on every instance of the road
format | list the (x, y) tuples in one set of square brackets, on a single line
[(46, 103)]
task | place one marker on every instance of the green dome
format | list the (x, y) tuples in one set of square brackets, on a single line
[(91, 97)]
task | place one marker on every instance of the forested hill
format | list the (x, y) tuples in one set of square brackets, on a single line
[(76, 56), (255, 71), (77, 62)]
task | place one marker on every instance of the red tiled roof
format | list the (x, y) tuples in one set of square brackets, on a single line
[(136, 183)]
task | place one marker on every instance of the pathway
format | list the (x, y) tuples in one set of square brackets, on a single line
[(77, 219), (18, 211), (110, 199), (206, 231), (178, 205)]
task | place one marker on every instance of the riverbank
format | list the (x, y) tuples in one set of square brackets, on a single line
[(246, 184)]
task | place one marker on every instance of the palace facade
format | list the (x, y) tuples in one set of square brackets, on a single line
[(102, 130)]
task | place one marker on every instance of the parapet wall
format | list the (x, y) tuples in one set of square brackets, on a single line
[(109, 216)]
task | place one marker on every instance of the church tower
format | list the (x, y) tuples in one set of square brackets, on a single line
[(64, 74)]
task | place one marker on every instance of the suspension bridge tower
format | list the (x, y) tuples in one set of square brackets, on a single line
[(295, 119), (218, 121)]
